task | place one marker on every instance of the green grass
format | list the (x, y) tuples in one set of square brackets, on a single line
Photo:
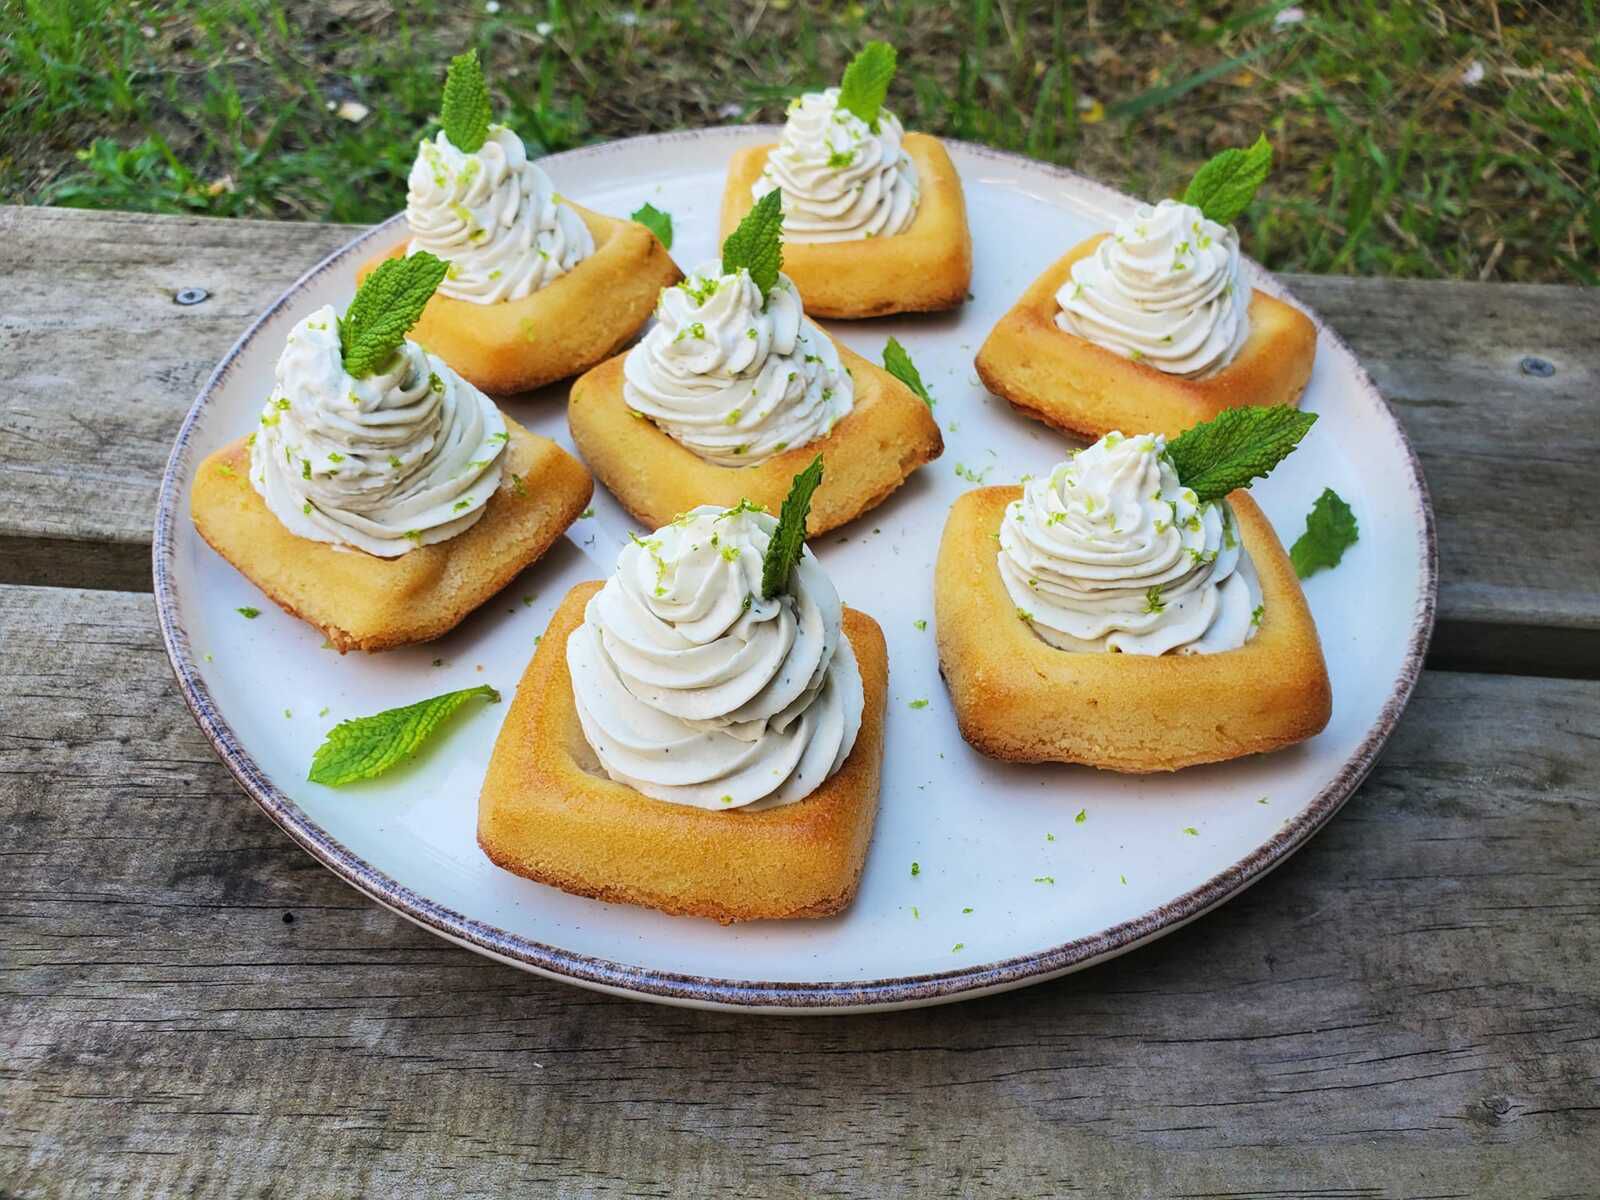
[(1389, 161)]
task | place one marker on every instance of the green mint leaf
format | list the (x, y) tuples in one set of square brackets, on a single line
[(465, 111), (898, 363), (384, 310), (866, 81), (656, 221), (1235, 447), (367, 746), (1330, 530), (789, 538), (1224, 187), (757, 245)]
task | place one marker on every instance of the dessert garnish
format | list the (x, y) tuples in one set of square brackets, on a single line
[(1223, 188), (1331, 529), (756, 245), (476, 201), (789, 538), (1130, 545), (840, 167), (711, 669), (656, 221), (364, 747), (898, 363), (367, 440), (1165, 287), (1236, 447), (733, 369)]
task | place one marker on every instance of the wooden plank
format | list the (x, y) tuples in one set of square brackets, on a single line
[(1409, 1007), (104, 364), (1505, 453)]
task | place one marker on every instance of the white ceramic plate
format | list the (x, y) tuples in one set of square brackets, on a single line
[(1130, 858)]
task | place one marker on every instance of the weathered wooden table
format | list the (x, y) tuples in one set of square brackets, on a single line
[(190, 1005)]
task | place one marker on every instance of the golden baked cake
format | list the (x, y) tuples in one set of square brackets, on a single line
[(734, 389), (539, 288), (549, 813), (382, 498), (362, 602), (874, 218), (1150, 326), (887, 434), (1106, 614), (688, 739)]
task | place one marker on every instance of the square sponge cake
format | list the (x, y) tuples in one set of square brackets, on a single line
[(363, 602), (1072, 384), (1019, 698), (925, 268), (561, 329), (886, 436), (549, 812)]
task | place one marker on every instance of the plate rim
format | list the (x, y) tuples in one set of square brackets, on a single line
[(839, 996)]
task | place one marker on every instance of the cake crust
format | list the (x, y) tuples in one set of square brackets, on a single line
[(1074, 385), (362, 602), (560, 330), (1018, 698), (886, 436), (548, 811), (927, 268)]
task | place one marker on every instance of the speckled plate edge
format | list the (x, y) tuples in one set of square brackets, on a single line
[(744, 995)]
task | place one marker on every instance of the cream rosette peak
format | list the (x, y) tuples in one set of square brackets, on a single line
[(401, 458), (1164, 289), (493, 215), (734, 375), (841, 178), (1110, 552), (693, 688)]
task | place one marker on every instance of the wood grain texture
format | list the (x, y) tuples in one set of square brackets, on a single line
[(1505, 452), (103, 364), (1410, 1007)]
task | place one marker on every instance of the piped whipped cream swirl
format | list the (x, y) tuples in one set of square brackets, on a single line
[(732, 378), (1163, 289), (842, 180), (693, 689), (1110, 552), (403, 458), (494, 217)]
